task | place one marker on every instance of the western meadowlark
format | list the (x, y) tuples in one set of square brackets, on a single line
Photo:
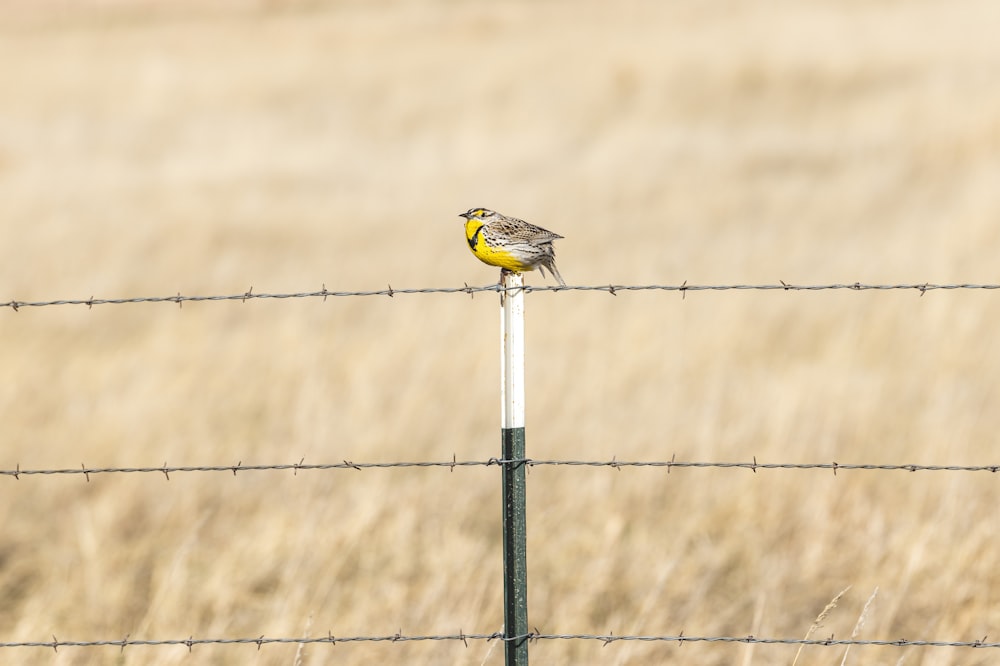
[(510, 243)]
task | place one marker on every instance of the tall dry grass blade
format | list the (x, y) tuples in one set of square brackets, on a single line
[(818, 622), (300, 650), (861, 622), (493, 644), (758, 618)]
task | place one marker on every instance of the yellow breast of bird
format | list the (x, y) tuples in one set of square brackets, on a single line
[(490, 254)]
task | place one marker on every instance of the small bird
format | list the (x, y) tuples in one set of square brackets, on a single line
[(510, 243)]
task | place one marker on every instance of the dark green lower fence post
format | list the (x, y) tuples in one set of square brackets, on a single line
[(515, 560)]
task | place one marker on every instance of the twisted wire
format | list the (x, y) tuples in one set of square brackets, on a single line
[(399, 637), (389, 291), (753, 466)]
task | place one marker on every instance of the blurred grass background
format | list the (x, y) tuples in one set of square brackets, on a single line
[(149, 148)]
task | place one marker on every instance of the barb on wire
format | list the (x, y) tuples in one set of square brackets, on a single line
[(754, 466), (612, 289), (534, 636)]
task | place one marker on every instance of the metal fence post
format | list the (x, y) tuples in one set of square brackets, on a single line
[(515, 567)]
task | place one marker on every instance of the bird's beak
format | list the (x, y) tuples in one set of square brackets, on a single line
[(465, 215)]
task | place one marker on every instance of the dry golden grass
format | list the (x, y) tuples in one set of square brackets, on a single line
[(151, 148)]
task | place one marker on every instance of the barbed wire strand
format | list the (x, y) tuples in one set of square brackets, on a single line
[(753, 466), (389, 291), (535, 636)]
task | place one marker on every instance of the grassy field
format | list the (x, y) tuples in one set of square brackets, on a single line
[(154, 148)]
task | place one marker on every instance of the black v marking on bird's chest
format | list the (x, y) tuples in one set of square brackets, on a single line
[(474, 238)]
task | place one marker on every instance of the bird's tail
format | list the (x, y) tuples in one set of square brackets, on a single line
[(551, 265)]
